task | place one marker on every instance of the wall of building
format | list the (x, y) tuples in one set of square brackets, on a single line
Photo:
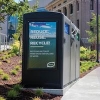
[(83, 15)]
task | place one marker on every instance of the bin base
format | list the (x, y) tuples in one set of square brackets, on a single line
[(56, 91)]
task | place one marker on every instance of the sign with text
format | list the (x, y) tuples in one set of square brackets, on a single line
[(42, 45)]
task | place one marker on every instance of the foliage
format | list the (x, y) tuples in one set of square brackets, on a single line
[(7, 7), (88, 59), (36, 98), (39, 92), (92, 34), (13, 72), (5, 77), (87, 65), (12, 93), (17, 87), (15, 48), (1, 72), (17, 68), (86, 54), (2, 98)]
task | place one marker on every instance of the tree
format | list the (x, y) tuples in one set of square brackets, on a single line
[(7, 7), (23, 7), (92, 33)]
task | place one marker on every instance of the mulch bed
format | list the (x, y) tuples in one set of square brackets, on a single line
[(5, 86)]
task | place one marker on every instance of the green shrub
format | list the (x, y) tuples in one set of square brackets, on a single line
[(87, 65), (5, 53), (17, 68), (5, 77), (39, 92), (83, 50), (13, 54), (1, 72), (2, 98), (12, 94), (36, 98), (13, 72), (3, 58), (15, 47), (17, 87)]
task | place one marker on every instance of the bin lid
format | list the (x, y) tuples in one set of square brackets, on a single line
[(42, 9)]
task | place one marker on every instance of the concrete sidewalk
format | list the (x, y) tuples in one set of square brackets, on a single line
[(86, 88)]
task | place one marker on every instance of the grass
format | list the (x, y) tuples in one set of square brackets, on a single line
[(13, 72), (36, 98), (39, 92), (17, 87), (1, 72), (17, 68), (12, 94), (2, 98), (5, 77)]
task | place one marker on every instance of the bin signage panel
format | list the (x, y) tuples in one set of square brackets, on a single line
[(42, 45), (66, 28)]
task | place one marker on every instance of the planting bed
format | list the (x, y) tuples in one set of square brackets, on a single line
[(6, 85)]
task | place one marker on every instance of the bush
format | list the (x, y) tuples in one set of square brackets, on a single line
[(12, 94), (15, 47), (2, 98), (39, 92), (36, 98), (17, 68), (17, 87), (1, 72), (82, 49), (5, 77), (13, 72), (87, 65), (86, 54)]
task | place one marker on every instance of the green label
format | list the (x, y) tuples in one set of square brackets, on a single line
[(42, 45)]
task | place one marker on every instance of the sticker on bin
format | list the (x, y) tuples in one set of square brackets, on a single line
[(51, 64)]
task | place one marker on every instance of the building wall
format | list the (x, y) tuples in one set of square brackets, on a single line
[(42, 3), (83, 15), (4, 27)]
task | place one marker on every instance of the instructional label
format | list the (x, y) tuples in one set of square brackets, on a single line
[(42, 45)]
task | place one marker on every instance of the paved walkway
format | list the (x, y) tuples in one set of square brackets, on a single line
[(86, 88)]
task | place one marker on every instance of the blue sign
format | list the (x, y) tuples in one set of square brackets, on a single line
[(66, 28)]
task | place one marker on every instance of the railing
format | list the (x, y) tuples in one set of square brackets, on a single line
[(3, 41)]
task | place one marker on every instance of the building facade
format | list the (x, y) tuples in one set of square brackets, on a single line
[(78, 11)]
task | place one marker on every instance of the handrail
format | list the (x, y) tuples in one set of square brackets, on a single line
[(3, 41)]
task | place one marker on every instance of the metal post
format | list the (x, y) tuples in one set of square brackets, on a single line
[(97, 35)]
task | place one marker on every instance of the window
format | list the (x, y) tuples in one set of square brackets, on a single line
[(65, 11), (54, 7), (91, 4), (77, 5), (65, 1), (78, 23), (91, 27), (71, 8), (59, 4), (59, 10)]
